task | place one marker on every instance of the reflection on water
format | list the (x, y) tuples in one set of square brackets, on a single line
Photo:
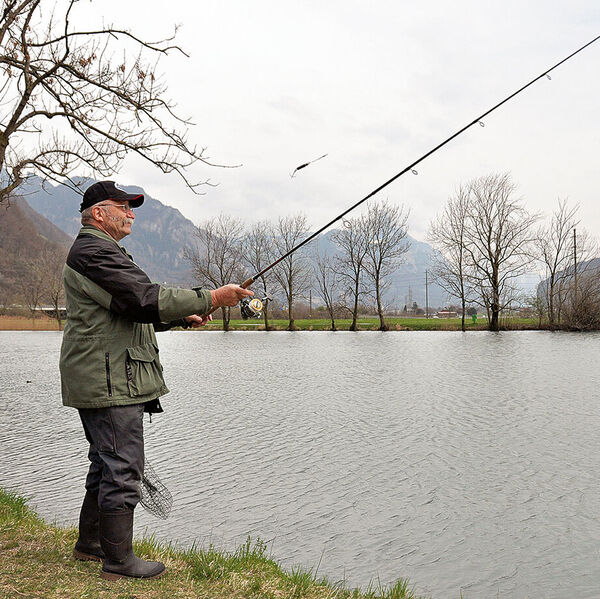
[(463, 461)]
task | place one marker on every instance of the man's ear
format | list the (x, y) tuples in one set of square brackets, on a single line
[(98, 214)]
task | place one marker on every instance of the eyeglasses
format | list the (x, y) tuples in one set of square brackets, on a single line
[(126, 208)]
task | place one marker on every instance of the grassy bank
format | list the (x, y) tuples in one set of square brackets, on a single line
[(36, 563), (21, 323), (372, 324)]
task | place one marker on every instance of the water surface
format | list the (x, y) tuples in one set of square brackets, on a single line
[(466, 462)]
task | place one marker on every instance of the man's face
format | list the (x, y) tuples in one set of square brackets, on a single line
[(115, 218)]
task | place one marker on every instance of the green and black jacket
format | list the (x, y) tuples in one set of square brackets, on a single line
[(109, 354)]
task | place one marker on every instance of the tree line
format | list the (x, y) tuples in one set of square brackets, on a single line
[(370, 247), (485, 239), (30, 266)]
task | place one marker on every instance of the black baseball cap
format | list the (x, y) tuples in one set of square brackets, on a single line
[(109, 190)]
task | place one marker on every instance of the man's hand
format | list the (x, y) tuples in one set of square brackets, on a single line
[(228, 295), (198, 321)]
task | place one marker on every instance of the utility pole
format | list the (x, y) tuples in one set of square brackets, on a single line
[(575, 262), (426, 295)]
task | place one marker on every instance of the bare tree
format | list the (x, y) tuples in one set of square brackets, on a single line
[(386, 231), (584, 247), (351, 240), (538, 307), (51, 263), (257, 253), (447, 236), (31, 282), (292, 273), (327, 284), (582, 307), (216, 259), (68, 99), (498, 241), (554, 246)]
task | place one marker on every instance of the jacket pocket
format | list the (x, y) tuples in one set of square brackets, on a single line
[(144, 372), (108, 380)]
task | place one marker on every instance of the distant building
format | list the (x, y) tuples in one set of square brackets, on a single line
[(447, 314)]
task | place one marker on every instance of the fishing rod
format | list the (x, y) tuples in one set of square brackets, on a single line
[(252, 307)]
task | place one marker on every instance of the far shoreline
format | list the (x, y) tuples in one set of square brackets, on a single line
[(365, 323)]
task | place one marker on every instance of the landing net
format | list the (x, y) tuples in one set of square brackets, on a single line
[(156, 498)]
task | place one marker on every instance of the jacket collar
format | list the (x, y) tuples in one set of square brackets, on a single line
[(91, 230)]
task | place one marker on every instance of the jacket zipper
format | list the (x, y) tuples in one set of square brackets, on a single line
[(108, 383)]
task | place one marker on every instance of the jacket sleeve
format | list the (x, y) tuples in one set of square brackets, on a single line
[(159, 327), (134, 296)]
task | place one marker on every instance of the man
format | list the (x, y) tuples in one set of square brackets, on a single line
[(111, 372)]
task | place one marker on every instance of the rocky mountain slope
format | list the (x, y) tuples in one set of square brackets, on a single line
[(160, 234), (157, 239), (25, 235)]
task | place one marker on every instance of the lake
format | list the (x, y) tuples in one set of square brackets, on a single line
[(466, 462)]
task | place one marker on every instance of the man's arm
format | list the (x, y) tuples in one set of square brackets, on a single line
[(192, 321), (130, 293), (134, 296)]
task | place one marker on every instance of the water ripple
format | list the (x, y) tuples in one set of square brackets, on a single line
[(465, 462)]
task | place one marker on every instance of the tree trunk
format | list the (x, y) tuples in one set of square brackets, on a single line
[(225, 312), (462, 322), (291, 325), (382, 325), (331, 315), (495, 303), (266, 306), (495, 310), (494, 321), (551, 317), (57, 315), (353, 326)]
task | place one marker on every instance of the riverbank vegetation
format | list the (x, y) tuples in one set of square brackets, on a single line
[(482, 246), (366, 323), (36, 563), (373, 324)]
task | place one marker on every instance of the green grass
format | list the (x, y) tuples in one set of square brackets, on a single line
[(36, 563), (372, 324)]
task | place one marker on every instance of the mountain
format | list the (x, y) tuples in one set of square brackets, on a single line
[(407, 284), (44, 228), (587, 268), (157, 239), (25, 236), (161, 233)]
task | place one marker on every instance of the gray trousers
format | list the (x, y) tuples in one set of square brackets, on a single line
[(116, 438)]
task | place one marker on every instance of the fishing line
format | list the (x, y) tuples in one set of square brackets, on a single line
[(411, 167)]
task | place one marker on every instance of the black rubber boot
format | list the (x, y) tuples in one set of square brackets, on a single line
[(88, 547), (116, 535)]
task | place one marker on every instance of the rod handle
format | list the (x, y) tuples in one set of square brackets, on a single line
[(244, 285)]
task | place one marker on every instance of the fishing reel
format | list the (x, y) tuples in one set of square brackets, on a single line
[(252, 307)]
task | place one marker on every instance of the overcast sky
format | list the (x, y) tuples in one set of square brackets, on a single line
[(271, 85)]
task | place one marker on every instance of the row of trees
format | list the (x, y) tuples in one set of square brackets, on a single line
[(369, 248), (35, 280), (485, 239)]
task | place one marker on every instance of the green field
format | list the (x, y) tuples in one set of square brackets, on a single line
[(372, 324)]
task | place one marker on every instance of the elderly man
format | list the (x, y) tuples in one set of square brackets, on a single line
[(110, 369)]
